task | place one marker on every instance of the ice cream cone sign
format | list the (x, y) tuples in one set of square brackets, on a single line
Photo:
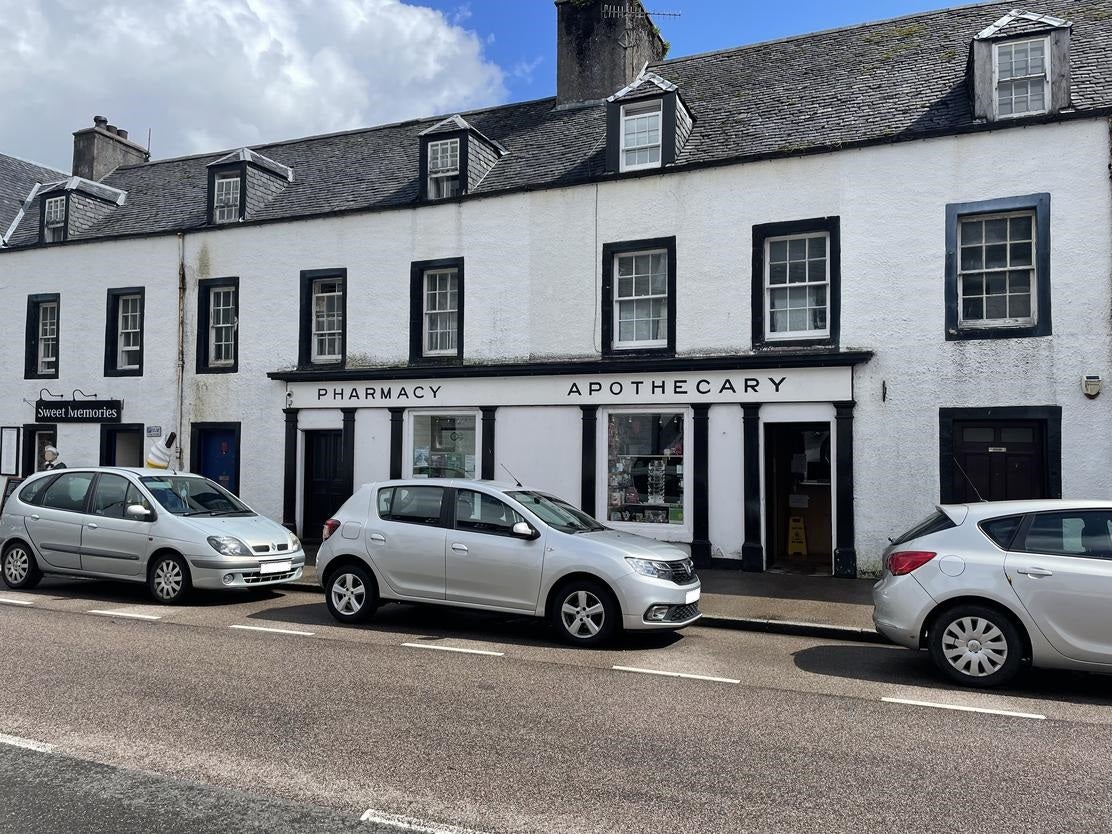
[(159, 455)]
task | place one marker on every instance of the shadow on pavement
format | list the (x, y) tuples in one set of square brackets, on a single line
[(895, 665), (136, 593), (440, 622)]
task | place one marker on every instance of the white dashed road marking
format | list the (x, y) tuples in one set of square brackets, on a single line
[(26, 744), (104, 613), (7, 601), (673, 674), (452, 649), (410, 824), (964, 709), (274, 630)]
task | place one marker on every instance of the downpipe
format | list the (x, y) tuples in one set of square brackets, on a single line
[(181, 347)]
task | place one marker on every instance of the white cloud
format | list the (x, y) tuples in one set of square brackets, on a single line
[(211, 74)]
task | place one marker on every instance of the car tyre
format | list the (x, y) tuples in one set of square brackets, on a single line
[(975, 645), (168, 579), (351, 594), (19, 568), (585, 613)]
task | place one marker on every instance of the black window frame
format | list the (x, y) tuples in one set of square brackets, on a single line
[(614, 110), (205, 286), (831, 226), (31, 351), (417, 270), (112, 331), (445, 136), (955, 212), (42, 216), (238, 168), (305, 330), (609, 252)]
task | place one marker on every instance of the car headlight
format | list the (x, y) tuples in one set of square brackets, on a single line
[(229, 546), (649, 567), (295, 542)]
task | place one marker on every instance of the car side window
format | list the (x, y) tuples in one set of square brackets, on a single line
[(33, 492), (68, 492), (385, 496), (1075, 533), (416, 505), (135, 497), (483, 513), (1002, 530), (109, 496)]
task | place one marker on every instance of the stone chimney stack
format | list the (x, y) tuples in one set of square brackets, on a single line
[(101, 149), (596, 54)]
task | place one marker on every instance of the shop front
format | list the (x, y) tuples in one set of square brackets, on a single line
[(745, 467)]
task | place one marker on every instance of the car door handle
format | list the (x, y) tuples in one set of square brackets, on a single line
[(92, 525), (1033, 571), (378, 538), (459, 548), (34, 516)]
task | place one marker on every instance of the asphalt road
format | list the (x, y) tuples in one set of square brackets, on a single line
[(191, 722)]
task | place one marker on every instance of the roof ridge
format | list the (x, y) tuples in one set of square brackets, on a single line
[(833, 30)]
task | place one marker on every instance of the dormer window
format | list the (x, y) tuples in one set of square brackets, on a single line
[(444, 172), (225, 205), (1022, 80), (54, 220), (641, 135)]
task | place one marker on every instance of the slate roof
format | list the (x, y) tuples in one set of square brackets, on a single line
[(255, 158), (889, 81), (17, 178)]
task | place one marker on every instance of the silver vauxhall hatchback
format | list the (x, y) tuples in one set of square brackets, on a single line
[(171, 530), (498, 547)]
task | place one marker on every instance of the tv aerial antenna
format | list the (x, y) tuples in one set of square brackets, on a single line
[(630, 12)]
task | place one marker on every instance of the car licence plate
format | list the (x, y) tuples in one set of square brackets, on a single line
[(276, 567), (692, 596)]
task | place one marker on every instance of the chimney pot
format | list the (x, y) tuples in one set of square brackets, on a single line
[(121, 133), (112, 129), (99, 121)]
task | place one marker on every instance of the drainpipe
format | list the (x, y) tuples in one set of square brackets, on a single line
[(181, 343)]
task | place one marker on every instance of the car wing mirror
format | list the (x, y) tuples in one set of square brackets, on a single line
[(137, 512), (522, 530)]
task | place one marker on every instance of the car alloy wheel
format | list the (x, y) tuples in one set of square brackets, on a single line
[(583, 614), (976, 645), (169, 581), (20, 570), (351, 594)]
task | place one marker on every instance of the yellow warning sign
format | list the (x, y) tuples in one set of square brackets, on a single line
[(797, 536)]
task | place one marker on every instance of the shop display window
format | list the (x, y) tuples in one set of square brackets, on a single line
[(645, 468), (444, 445)]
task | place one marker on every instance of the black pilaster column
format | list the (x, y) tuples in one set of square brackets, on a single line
[(700, 540), (347, 461), (845, 554), (587, 489), (488, 442), (396, 415), (289, 473), (752, 552)]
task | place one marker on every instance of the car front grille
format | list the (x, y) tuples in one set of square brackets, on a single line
[(266, 548), (257, 578), (683, 573), (683, 612)]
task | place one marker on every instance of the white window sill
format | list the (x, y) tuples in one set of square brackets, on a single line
[(638, 345), (797, 336), (644, 167)]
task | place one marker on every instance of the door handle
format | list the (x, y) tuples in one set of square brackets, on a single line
[(378, 538), (1033, 571), (459, 548), (34, 516), (92, 525)]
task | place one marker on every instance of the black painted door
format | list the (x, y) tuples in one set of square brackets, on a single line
[(1004, 460), (324, 486)]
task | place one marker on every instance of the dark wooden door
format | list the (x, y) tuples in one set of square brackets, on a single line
[(324, 485), (1004, 460)]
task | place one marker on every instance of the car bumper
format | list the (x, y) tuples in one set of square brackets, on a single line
[(209, 572), (900, 607), (639, 594)]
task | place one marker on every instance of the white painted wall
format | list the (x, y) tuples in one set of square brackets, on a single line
[(725, 473), (532, 289), (542, 446)]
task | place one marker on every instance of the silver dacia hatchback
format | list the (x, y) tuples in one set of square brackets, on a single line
[(171, 530), (498, 547)]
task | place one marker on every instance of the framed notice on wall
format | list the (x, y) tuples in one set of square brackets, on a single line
[(9, 450)]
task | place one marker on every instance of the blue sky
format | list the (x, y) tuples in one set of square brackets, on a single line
[(519, 35)]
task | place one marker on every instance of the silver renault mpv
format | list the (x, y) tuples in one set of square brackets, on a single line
[(498, 547), (171, 530)]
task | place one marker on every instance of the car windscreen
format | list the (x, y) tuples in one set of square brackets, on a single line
[(556, 512), (933, 523), (184, 495)]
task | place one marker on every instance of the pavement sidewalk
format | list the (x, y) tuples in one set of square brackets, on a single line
[(779, 603)]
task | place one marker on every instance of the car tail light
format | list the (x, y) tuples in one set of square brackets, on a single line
[(905, 561), (332, 525)]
